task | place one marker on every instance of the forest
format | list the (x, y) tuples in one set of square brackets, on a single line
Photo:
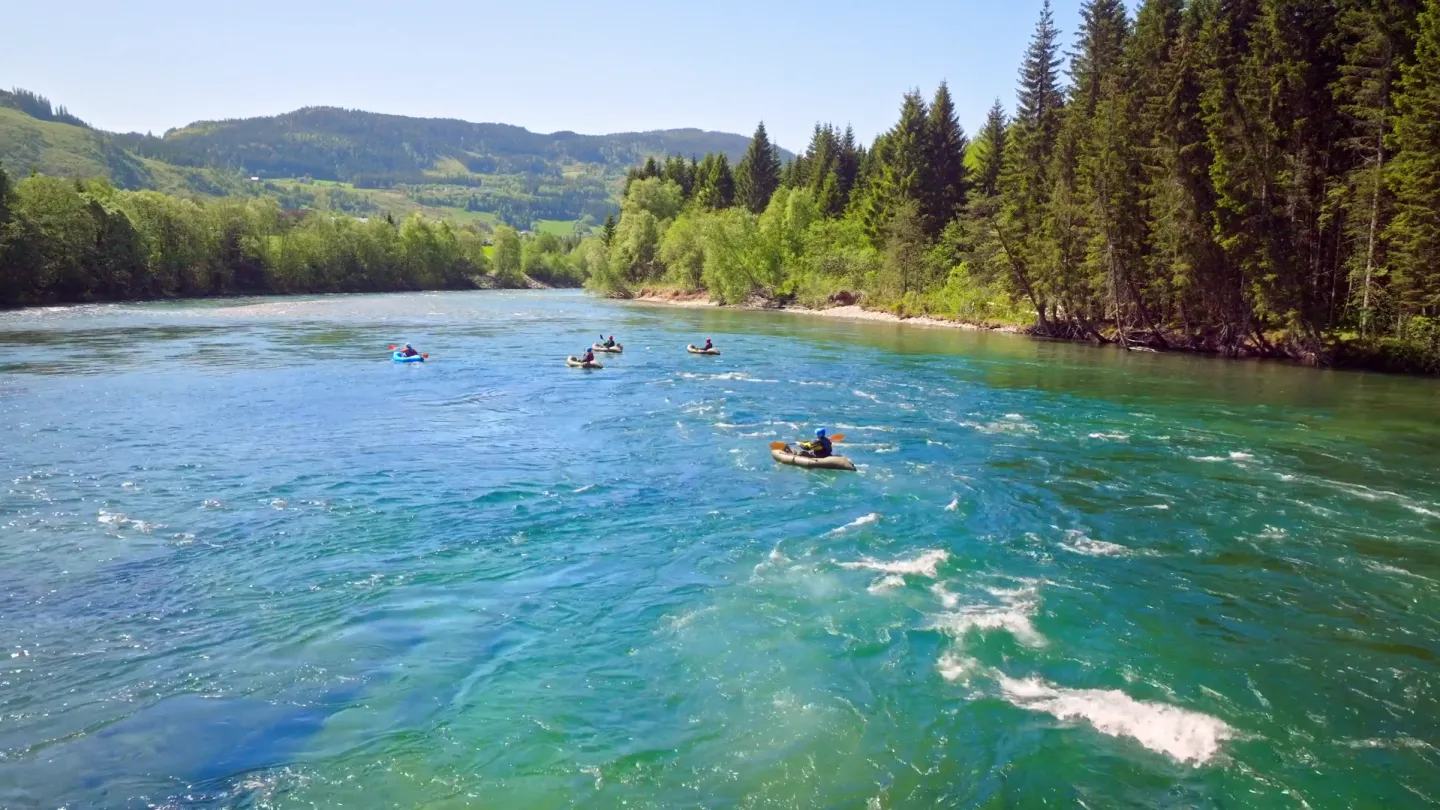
[(65, 240), (1247, 177)]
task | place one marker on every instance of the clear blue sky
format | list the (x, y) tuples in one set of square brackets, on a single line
[(547, 65)]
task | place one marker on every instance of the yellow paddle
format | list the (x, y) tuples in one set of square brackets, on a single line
[(838, 437)]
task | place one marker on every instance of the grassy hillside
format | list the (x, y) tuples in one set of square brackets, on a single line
[(67, 150), (358, 162)]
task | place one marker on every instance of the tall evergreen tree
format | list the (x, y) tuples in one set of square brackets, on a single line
[(758, 174), (945, 176), (1271, 122), (990, 146), (899, 167), (847, 164), (1375, 41), (607, 234), (1019, 222), (1414, 176), (1039, 99)]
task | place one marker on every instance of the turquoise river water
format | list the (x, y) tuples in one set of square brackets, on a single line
[(247, 561)]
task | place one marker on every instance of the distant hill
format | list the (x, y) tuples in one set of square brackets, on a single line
[(329, 143), (361, 162)]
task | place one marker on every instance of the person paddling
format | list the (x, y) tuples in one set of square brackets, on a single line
[(708, 345), (588, 356), (608, 343), (820, 448), (408, 351)]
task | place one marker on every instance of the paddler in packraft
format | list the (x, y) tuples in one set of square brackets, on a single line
[(820, 448), (608, 343)]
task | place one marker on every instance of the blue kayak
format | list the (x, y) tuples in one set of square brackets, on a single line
[(401, 358)]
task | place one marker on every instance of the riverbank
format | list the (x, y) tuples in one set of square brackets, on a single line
[(849, 312), (1387, 355)]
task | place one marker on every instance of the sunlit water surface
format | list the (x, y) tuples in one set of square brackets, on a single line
[(245, 560)]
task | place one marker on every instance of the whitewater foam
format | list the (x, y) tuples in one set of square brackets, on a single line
[(1012, 615), (120, 521), (856, 523), (1079, 543), (955, 504), (1185, 735), (857, 392), (889, 582), (926, 565)]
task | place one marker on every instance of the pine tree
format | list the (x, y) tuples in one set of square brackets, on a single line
[(1414, 177), (945, 177), (758, 174), (990, 154)]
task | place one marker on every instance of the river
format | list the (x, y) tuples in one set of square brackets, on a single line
[(247, 561)]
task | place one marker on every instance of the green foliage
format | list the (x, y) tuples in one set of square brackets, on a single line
[(1414, 176), (64, 240), (508, 254), (1256, 176)]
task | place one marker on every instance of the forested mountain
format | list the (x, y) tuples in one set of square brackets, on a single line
[(355, 162), (371, 149), (1249, 177)]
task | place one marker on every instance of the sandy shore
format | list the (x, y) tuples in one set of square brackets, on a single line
[(850, 313)]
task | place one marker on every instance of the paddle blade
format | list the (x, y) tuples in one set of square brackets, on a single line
[(392, 348), (838, 437), (426, 356), (777, 445)]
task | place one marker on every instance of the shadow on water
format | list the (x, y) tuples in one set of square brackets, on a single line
[(191, 744)]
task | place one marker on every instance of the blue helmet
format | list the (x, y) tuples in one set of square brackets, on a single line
[(819, 432)]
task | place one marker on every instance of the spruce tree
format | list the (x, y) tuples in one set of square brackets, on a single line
[(1039, 98), (678, 172), (1271, 123), (847, 164), (990, 156), (1414, 177), (1019, 222), (608, 234), (714, 184), (900, 168), (945, 180), (1375, 41), (758, 174)]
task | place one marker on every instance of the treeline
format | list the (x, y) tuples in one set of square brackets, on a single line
[(70, 241), (1251, 177), (38, 106)]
